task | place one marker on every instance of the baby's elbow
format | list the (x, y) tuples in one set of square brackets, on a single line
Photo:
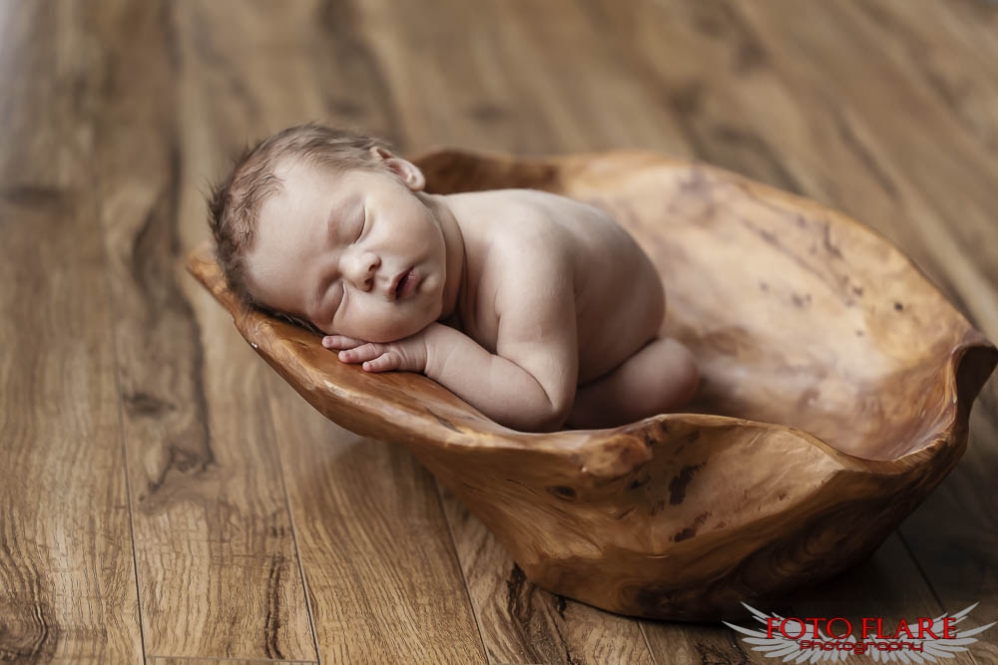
[(537, 420), (554, 418), (551, 425)]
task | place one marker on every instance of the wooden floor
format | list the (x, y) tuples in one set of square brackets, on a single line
[(165, 497)]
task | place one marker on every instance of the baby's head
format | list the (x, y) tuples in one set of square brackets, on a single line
[(328, 229)]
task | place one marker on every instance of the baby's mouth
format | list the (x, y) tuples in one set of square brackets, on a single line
[(401, 282)]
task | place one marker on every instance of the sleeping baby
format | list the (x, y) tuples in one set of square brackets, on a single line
[(538, 310)]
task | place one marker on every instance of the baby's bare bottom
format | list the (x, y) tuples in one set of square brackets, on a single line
[(661, 377)]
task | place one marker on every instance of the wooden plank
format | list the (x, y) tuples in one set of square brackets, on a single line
[(974, 23), (217, 565), (942, 156), (67, 581), (381, 573), (375, 546), (524, 78), (524, 624), (940, 177), (941, 52), (953, 535), (224, 661)]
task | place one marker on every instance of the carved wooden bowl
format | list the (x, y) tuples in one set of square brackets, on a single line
[(837, 385)]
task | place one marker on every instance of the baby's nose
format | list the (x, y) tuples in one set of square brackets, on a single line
[(361, 269)]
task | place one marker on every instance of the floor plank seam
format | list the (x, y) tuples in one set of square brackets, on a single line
[(235, 661), (921, 571), (120, 408), (464, 578), (294, 539)]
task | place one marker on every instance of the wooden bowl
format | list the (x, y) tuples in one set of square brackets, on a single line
[(837, 385)]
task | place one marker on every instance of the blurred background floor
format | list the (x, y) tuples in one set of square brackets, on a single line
[(166, 497)]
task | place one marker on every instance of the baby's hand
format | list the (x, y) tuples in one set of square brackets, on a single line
[(407, 354)]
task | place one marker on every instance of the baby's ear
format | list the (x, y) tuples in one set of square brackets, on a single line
[(410, 174)]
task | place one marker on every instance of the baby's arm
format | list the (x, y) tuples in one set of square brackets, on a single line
[(529, 384), (498, 387), (502, 389)]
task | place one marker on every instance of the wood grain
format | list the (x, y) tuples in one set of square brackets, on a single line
[(375, 545), (217, 566), (115, 117), (67, 584), (223, 661)]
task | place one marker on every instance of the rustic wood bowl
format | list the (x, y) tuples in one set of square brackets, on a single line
[(837, 386)]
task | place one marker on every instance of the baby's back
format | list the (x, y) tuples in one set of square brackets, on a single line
[(619, 298)]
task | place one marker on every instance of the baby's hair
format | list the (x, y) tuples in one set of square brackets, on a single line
[(234, 203)]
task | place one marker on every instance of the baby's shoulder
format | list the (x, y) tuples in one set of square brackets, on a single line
[(520, 219), (531, 241), (522, 233), (532, 249), (536, 201)]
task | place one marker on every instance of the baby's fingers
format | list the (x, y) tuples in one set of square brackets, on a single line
[(341, 342), (376, 357), (386, 362), (366, 351)]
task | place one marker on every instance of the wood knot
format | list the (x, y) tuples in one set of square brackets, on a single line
[(141, 403), (562, 492), (677, 486)]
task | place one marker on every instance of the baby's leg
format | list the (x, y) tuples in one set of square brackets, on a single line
[(661, 377)]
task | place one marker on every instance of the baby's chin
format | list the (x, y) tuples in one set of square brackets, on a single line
[(397, 332)]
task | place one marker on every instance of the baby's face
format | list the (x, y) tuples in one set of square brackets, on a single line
[(355, 253)]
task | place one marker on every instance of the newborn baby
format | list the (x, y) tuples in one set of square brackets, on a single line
[(538, 310)]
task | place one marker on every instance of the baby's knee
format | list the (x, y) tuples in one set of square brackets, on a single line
[(688, 373), (677, 379)]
